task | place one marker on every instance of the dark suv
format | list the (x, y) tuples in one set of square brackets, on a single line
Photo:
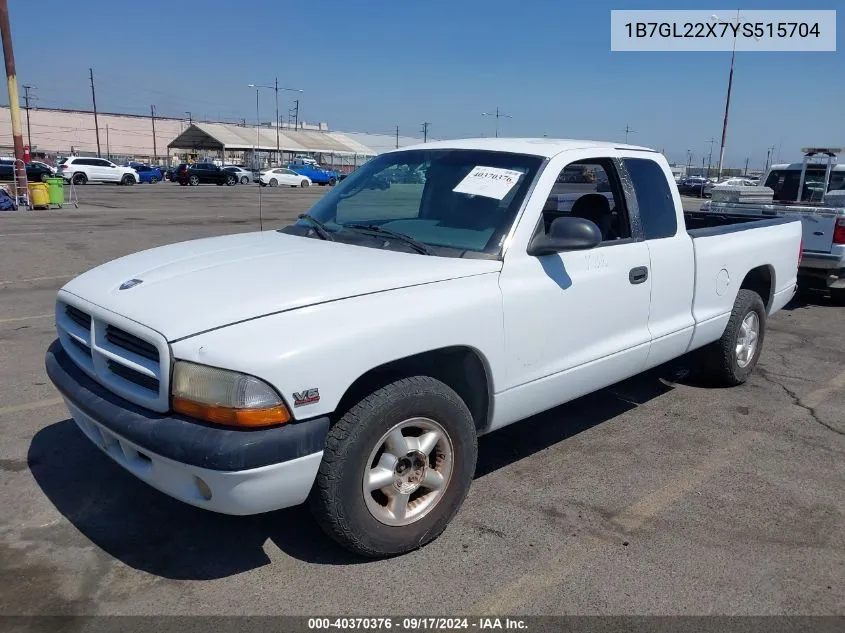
[(200, 173)]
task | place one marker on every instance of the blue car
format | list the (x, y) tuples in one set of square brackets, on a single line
[(313, 171), (146, 173)]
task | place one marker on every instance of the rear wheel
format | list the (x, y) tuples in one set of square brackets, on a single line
[(244, 180), (79, 178), (396, 468), (153, 180), (732, 358), (274, 182), (231, 181)]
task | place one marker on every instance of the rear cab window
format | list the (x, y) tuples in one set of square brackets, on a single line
[(654, 198)]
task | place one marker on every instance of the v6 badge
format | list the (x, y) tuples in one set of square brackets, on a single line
[(309, 396)]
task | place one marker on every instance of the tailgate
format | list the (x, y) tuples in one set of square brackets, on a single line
[(818, 231)]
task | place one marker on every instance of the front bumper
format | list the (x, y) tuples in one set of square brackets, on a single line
[(224, 470)]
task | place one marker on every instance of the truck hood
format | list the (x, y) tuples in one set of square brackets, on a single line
[(195, 286)]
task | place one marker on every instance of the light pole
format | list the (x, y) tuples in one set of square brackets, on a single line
[(497, 115), (730, 86), (689, 161), (275, 88)]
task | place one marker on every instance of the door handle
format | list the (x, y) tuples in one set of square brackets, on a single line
[(638, 275)]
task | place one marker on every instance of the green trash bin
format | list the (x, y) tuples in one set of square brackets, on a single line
[(56, 190)]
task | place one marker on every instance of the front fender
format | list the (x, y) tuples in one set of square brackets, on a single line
[(327, 347)]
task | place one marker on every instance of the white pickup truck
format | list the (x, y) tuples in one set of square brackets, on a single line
[(353, 358)]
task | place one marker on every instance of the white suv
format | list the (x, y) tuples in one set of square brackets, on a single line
[(81, 170)]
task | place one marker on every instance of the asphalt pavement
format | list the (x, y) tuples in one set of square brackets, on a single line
[(659, 495)]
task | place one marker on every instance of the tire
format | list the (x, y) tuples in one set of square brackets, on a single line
[(244, 180), (79, 178), (332, 182), (274, 182), (723, 359), (231, 181), (127, 180), (304, 184), (44, 177), (153, 180), (359, 520), (193, 180)]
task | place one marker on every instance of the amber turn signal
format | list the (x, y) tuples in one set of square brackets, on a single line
[(250, 418)]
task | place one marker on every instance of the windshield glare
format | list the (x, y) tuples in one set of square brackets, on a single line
[(462, 200)]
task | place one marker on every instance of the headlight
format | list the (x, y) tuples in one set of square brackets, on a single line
[(225, 397)]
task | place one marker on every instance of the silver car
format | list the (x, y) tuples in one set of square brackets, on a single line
[(244, 176)]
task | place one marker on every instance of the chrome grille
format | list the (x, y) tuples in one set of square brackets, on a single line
[(126, 358)]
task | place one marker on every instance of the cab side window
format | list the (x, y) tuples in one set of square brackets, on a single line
[(590, 189), (654, 198)]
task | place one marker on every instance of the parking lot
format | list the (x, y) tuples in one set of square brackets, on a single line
[(659, 495)]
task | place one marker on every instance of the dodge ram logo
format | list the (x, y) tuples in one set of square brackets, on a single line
[(126, 285), (309, 396)]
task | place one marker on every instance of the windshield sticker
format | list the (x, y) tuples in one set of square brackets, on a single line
[(490, 182)]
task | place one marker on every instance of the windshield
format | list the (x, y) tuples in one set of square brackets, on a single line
[(784, 182), (455, 201)]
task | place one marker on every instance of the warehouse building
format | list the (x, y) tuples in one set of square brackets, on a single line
[(60, 132)]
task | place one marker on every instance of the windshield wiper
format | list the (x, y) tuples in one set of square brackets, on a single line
[(319, 228), (374, 229)]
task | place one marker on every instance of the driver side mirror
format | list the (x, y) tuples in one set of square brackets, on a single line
[(566, 234)]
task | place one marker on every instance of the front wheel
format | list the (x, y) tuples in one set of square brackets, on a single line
[(245, 180), (396, 468), (127, 180), (153, 180), (274, 182), (732, 358), (304, 184), (194, 181)]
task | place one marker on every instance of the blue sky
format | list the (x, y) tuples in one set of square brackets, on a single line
[(370, 65)]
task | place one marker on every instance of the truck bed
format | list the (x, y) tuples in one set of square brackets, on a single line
[(704, 224)]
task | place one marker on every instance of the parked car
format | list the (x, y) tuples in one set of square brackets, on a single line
[(314, 172), (146, 173), (695, 186), (244, 176), (283, 176), (35, 171), (225, 381), (206, 173), (84, 169)]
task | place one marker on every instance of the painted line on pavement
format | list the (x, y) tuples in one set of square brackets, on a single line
[(28, 318), (509, 598), (815, 398), (29, 406)]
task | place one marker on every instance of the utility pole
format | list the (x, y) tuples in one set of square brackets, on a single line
[(728, 101), (710, 158), (497, 115), (689, 161), (14, 101), (94, 100), (397, 137), (190, 118), (26, 90), (108, 151), (153, 119), (628, 130), (278, 152), (746, 166), (296, 114), (425, 131)]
